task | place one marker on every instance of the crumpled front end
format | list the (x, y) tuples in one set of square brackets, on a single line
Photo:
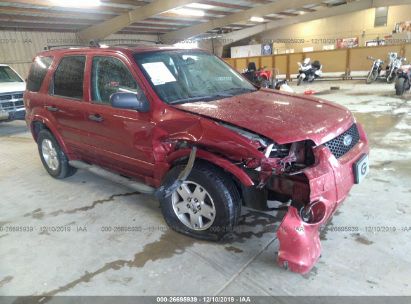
[(316, 195)]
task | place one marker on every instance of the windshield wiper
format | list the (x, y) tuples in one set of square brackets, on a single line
[(236, 91), (201, 98)]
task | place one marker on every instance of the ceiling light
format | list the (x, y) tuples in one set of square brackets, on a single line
[(257, 19), (189, 12), (76, 3), (301, 12), (200, 6)]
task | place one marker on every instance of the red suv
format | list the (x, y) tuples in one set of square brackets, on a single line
[(185, 126)]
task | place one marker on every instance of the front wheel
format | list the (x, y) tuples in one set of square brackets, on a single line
[(52, 156), (400, 86), (392, 77), (300, 80), (265, 83), (206, 206), (372, 76)]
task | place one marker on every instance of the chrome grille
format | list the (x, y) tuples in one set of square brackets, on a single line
[(11, 101), (337, 146)]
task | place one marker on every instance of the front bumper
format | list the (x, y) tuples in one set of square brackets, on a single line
[(18, 114), (326, 186)]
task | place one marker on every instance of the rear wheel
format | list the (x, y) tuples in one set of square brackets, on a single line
[(400, 86), (206, 206), (52, 156)]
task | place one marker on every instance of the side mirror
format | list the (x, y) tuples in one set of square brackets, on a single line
[(129, 101)]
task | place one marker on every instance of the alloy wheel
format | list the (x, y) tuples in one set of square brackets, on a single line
[(194, 206), (49, 153)]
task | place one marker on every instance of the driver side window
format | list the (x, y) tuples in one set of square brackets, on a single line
[(110, 75)]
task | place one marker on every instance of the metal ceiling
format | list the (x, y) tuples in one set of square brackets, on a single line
[(44, 15)]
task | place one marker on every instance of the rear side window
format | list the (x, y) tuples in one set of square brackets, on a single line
[(69, 76), (37, 73)]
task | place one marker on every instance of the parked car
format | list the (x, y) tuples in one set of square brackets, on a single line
[(403, 82), (375, 70), (185, 126), (12, 87), (309, 71)]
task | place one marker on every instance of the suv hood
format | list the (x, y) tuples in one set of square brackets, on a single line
[(11, 87), (282, 117)]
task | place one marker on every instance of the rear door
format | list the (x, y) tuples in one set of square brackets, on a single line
[(121, 138), (66, 103)]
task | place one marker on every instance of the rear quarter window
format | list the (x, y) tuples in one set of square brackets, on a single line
[(37, 73)]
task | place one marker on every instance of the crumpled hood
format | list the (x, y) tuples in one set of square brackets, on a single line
[(12, 87), (282, 117)]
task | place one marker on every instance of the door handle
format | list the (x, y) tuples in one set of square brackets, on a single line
[(95, 117), (52, 108)]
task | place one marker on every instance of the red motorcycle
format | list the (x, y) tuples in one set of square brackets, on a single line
[(261, 77)]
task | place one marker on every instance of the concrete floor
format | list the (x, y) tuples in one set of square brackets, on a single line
[(89, 260)]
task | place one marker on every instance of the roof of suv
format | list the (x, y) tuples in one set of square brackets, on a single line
[(133, 49)]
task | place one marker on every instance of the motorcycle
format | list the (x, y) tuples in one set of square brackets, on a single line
[(375, 70), (309, 71), (403, 82), (393, 66), (261, 77)]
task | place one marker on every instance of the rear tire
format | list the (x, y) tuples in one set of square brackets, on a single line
[(206, 206), (52, 156), (400, 86)]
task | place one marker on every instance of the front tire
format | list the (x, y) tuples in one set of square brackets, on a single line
[(300, 80), (206, 206), (265, 83), (372, 76), (400, 86), (52, 156), (392, 77)]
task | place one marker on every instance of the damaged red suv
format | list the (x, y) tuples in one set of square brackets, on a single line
[(184, 126)]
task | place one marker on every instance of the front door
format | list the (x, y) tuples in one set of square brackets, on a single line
[(121, 138)]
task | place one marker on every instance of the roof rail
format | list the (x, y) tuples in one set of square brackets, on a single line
[(92, 43), (129, 42), (62, 46)]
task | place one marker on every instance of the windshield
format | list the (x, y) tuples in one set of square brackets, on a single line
[(8, 75), (190, 75)]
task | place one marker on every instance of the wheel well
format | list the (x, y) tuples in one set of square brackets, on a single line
[(36, 127), (236, 181)]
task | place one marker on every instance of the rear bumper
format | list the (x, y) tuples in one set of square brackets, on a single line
[(327, 186)]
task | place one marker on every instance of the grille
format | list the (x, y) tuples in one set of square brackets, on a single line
[(337, 146), (5, 97), (11, 101)]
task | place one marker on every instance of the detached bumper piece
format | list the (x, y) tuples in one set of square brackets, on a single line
[(300, 246), (326, 186)]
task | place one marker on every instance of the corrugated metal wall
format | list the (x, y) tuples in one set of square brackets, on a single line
[(18, 48)]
